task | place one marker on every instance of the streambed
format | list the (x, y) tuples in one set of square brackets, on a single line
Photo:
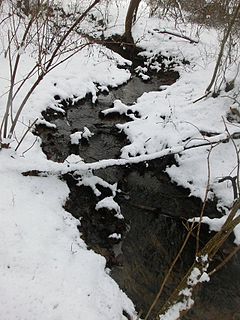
[(154, 209)]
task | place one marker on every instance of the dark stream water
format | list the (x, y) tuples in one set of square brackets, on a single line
[(153, 207)]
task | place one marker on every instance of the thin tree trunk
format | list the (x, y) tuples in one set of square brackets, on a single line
[(224, 41), (130, 18)]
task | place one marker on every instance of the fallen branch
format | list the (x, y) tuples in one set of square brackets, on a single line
[(234, 184), (158, 210), (225, 261), (81, 167), (202, 97), (176, 35), (35, 173)]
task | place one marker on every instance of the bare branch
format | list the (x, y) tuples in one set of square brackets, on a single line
[(176, 35)]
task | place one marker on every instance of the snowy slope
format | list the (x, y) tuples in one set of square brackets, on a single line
[(46, 270)]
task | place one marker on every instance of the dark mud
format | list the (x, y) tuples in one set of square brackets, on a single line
[(154, 209)]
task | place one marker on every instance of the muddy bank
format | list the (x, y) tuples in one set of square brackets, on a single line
[(154, 209)]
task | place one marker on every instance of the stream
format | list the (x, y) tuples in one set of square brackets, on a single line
[(154, 209)]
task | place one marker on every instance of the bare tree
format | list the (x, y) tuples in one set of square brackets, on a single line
[(222, 46), (130, 19), (60, 47)]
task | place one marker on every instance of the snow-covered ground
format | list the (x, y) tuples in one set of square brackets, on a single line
[(46, 271)]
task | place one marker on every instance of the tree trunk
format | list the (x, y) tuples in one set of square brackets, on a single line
[(130, 19), (222, 47)]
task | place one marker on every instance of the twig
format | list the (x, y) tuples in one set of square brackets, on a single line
[(13, 77), (238, 159), (30, 146), (234, 185), (225, 261), (202, 97), (168, 274), (26, 132), (204, 202)]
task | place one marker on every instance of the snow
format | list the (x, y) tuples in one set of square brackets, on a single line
[(116, 236), (73, 158), (196, 276), (204, 277), (118, 106), (110, 204), (175, 312), (88, 179), (46, 270), (45, 123), (87, 133), (76, 137)]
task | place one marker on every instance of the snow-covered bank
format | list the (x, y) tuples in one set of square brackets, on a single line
[(46, 270)]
